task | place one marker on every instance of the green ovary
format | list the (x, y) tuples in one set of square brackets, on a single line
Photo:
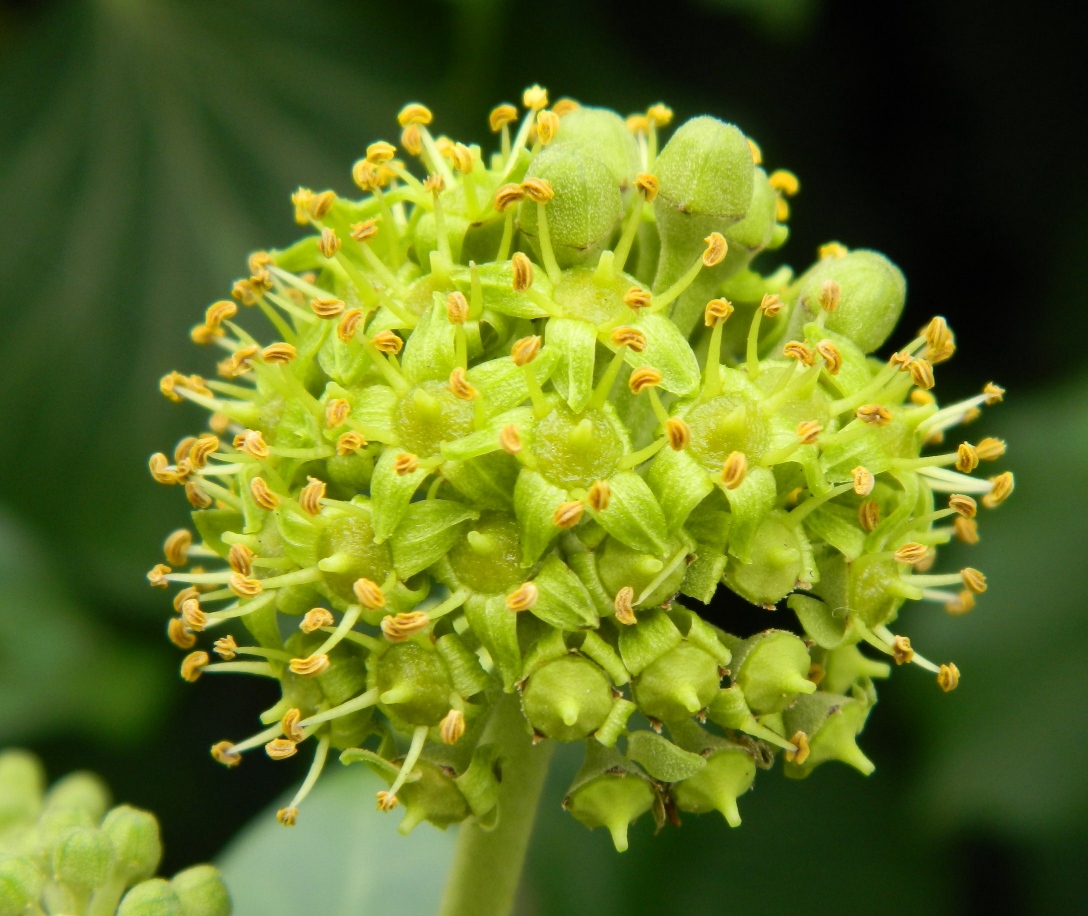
[(428, 416), (488, 560), (725, 424), (348, 546), (576, 451)]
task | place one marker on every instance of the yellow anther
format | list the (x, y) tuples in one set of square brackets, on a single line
[(734, 470), (369, 594), (226, 648), (939, 356), (643, 378), (387, 801), (900, 360), (568, 514), (717, 310), (258, 261), (461, 157), (937, 334), (637, 298), (288, 817), (365, 175), (922, 398), (280, 748), (262, 494), (309, 498), (461, 387), (874, 414), (403, 626), (647, 185), (995, 394), (921, 373), (565, 107), (949, 677), (315, 619), (832, 250), (757, 153), (599, 496), (198, 499), (902, 651), (781, 210), (522, 269), (808, 431), (182, 449), (169, 382), (414, 113), (770, 305), (301, 200), (926, 563), (406, 463), (534, 98), (632, 338), (452, 727), (411, 139), (660, 115), (966, 530), (179, 635), (202, 335), (524, 351), (799, 351), (176, 547), (678, 433), (506, 196), (321, 204), (252, 443), (329, 242), (156, 576), (961, 604), (336, 412), (990, 449), (510, 440), (240, 558), (799, 741), (444, 145), (716, 248), (910, 553), (965, 506), (364, 231), (310, 666), (538, 190), (244, 586), (434, 184), (193, 616), (500, 116), (349, 324), (623, 606), (387, 342), (868, 515), (224, 753), (784, 181), (638, 124), (966, 458), (193, 665), (523, 597), (350, 442), (830, 294), (279, 353), (380, 152), (457, 307), (220, 311), (547, 126), (202, 449), (974, 580), (832, 356)]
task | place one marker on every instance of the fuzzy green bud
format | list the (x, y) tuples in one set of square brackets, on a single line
[(603, 132), (609, 793), (677, 685), (435, 798), (136, 842), (567, 699), (728, 774), (831, 724), (22, 781), (201, 891), (155, 897), (414, 684), (83, 858), (83, 790), (20, 886)]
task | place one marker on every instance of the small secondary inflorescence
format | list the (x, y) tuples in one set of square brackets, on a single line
[(515, 409), (65, 851)]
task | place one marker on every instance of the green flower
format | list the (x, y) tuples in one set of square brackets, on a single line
[(65, 850), (515, 405)]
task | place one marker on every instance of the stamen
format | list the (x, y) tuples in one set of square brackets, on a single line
[(157, 576), (990, 449), (964, 506), (226, 648), (522, 269), (966, 458), (262, 494), (280, 749), (966, 530), (547, 126), (311, 666), (716, 248), (363, 701), (901, 650), (460, 386), (176, 547), (388, 800), (678, 434), (832, 356), (224, 753), (369, 594), (973, 580), (864, 481), (1001, 488), (179, 634), (568, 514), (948, 678), (643, 378), (523, 597), (350, 442), (311, 495), (509, 439), (961, 604), (647, 186), (770, 306), (623, 606), (869, 515), (240, 557), (599, 495), (403, 626), (279, 353), (832, 250), (193, 665), (801, 749), (734, 470), (910, 553), (315, 619), (452, 727), (874, 414)]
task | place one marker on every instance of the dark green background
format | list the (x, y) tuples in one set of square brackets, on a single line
[(147, 145)]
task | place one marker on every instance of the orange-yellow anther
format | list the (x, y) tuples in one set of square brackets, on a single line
[(524, 351), (647, 185), (538, 190), (262, 494), (460, 386), (309, 498), (193, 665), (678, 433), (716, 248), (734, 470), (623, 606), (315, 619), (643, 378), (452, 727), (401, 627), (522, 269), (568, 514), (874, 414), (387, 342), (637, 298), (832, 356), (868, 514), (523, 597), (500, 116), (948, 678), (599, 496), (632, 338)]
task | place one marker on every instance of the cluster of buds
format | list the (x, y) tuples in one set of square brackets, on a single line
[(66, 851), (518, 411)]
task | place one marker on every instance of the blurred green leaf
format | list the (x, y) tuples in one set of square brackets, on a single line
[(343, 857), (58, 670)]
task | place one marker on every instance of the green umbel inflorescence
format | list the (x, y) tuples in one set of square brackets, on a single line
[(513, 415), (64, 850)]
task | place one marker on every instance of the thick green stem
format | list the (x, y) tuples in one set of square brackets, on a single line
[(487, 863)]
